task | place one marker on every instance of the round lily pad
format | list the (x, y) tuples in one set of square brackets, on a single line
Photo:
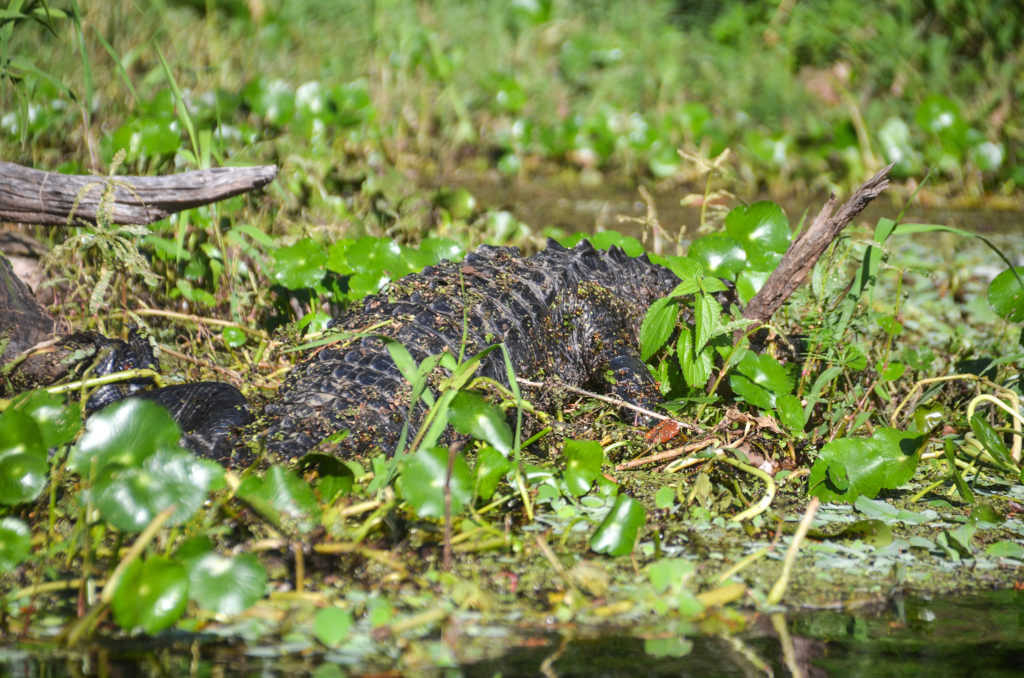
[(150, 595), (300, 265), (762, 230), (720, 255), (421, 482)]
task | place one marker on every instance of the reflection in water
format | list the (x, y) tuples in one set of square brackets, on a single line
[(975, 635)]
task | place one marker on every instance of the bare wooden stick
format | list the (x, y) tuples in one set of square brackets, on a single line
[(805, 251), (31, 196)]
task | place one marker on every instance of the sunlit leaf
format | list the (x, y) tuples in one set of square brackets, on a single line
[(1005, 549), (471, 414), (673, 646), (720, 255), (58, 421), (991, 440), (331, 625), (749, 283), (283, 498), (226, 584), (583, 459), (421, 482), (664, 497), (791, 412), (751, 392), (766, 372), (491, 467), (130, 497), (696, 368), (234, 337), (150, 595), (299, 265), (707, 318), (762, 230), (1006, 294), (865, 466), (657, 326), (617, 533), (15, 543), (123, 433)]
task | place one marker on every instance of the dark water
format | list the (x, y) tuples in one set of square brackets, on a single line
[(978, 635)]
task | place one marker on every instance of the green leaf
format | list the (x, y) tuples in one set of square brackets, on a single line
[(719, 255), (688, 270), (751, 392), (1006, 294), (123, 433), (234, 337), (583, 459), (749, 283), (23, 467), (673, 646), (617, 533), (283, 498), (471, 414), (300, 265), (1005, 549), (331, 625), (372, 255), (664, 497), (657, 326), (335, 477), (707, 319), (762, 230), (129, 498), (992, 442), (491, 467), (15, 543), (58, 421), (766, 372), (865, 466), (961, 486), (697, 367), (150, 595), (791, 412), (421, 482), (226, 585), (670, 573)]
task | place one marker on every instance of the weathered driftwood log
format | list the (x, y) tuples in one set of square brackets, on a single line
[(31, 196), (805, 251)]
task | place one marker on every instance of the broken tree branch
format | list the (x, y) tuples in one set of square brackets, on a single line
[(805, 251), (31, 196)]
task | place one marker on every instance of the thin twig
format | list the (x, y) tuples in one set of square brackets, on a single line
[(611, 401)]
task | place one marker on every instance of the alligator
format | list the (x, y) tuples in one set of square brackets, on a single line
[(571, 315)]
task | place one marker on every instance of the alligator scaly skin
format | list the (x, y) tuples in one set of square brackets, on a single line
[(573, 315)]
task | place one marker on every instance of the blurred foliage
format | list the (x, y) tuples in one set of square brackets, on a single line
[(813, 93)]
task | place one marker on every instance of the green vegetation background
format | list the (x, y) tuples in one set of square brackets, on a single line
[(812, 94)]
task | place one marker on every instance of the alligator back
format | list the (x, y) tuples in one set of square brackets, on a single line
[(567, 314)]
